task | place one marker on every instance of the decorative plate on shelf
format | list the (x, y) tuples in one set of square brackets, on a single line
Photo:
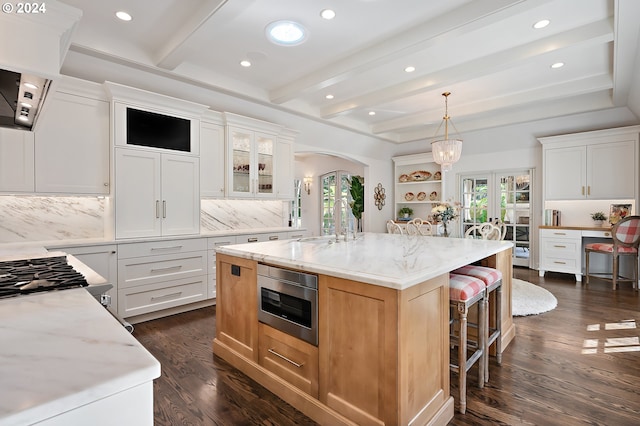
[(409, 196), (420, 175), (433, 196), (421, 196), (403, 178), (437, 175)]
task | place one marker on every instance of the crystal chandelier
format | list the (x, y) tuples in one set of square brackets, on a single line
[(446, 151)]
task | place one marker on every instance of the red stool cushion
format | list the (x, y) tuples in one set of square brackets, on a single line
[(464, 287), (608, 248), (488, 275)]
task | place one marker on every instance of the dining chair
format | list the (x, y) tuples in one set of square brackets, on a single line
[(394, 228), (626, 239), (418, 226), (486, 231)]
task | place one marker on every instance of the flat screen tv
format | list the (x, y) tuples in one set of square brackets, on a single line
[(150, 129)]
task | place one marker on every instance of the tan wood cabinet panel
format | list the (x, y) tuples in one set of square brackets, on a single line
[(358, 350), (294, 360), (237, 305)]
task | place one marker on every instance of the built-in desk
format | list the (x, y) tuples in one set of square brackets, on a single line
[(561, 247)]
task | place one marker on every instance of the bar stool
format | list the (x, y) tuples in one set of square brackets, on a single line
[(492, 279), (464, 292)]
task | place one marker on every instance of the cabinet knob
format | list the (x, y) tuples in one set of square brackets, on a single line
[(106, 184)]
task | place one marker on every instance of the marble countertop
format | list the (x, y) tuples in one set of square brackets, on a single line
[(61, 350), (390, 260)]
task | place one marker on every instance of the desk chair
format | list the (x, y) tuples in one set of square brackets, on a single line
[(626, 239)]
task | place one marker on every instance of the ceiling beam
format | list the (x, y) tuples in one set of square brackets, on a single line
[(627, 36), (472, 16), (595, 33), (168, 55)]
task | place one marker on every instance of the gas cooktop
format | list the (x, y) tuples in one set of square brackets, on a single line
[(25, 276)]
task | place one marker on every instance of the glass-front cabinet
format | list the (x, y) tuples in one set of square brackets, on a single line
[(252, 163)]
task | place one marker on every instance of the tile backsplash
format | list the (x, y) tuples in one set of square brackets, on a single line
[(27, 218), (36, 218)]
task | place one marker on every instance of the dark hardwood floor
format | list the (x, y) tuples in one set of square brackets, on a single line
[(578, 364)]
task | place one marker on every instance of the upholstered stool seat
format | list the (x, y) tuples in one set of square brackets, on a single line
[(464, 292), (626, 239), (492, 279)]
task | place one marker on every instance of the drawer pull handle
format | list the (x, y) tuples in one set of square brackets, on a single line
[(166, 248), (252, 240), (557, 246), (273, 237), (222, 243), (607, 234), (285, 358), (297, 236), (168, 268), (559, 233), (166, 296), (560, 263)]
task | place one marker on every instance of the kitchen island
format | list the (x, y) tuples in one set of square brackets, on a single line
[(383, 319), (67, 361)]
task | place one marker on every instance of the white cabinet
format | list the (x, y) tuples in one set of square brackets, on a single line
[(212, 160), (561, 251), (600, 165), (103, 259), (284, 168), (212, 244), (72, 146), (154, 276), (156, 194), (419, 182), (16, 161), (259, 158), (251, 154)]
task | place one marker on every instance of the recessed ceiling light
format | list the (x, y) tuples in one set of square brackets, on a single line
[(557, 65), (372, 113), (124, 16), (410, 69), (23, 118), (328, 14), (286, 33), (541, 24), (245, 63), (26, 105), (329, 96), (30, 86)]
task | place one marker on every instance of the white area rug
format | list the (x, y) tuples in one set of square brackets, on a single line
[(530, 299)]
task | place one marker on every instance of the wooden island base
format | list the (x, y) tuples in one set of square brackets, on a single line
[(383, 353)]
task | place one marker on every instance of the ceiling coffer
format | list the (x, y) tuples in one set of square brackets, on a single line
[(30, 66)]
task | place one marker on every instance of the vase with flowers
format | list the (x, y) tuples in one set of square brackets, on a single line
[(444, 213)]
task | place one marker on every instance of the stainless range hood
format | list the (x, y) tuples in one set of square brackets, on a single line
[(21, 99), (32, 49)]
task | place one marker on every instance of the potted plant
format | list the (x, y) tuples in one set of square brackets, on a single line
[(598, 218), (405, 212), (356, 188)]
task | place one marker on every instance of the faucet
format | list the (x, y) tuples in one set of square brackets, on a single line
[(341, 205)]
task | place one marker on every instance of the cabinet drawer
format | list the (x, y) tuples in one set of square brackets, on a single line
[(211, 287), (292, 359), (596, 234), (561, 233), (561, 248), (559, 264), (152, 269), (155, 297), (214, 242), (152, 248)]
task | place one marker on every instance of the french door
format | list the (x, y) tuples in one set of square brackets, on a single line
[(505, 196), (335, 186)]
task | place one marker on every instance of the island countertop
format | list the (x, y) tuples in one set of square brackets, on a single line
[(62, 350), (389, 260)]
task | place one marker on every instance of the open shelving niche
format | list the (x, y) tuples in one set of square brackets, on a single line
[(406, 165)]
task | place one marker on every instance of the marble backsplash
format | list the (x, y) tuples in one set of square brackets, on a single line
[(27, 218), (223, 215), (33, 218)]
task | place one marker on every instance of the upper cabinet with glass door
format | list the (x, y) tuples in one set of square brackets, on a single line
[(251, 157)]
